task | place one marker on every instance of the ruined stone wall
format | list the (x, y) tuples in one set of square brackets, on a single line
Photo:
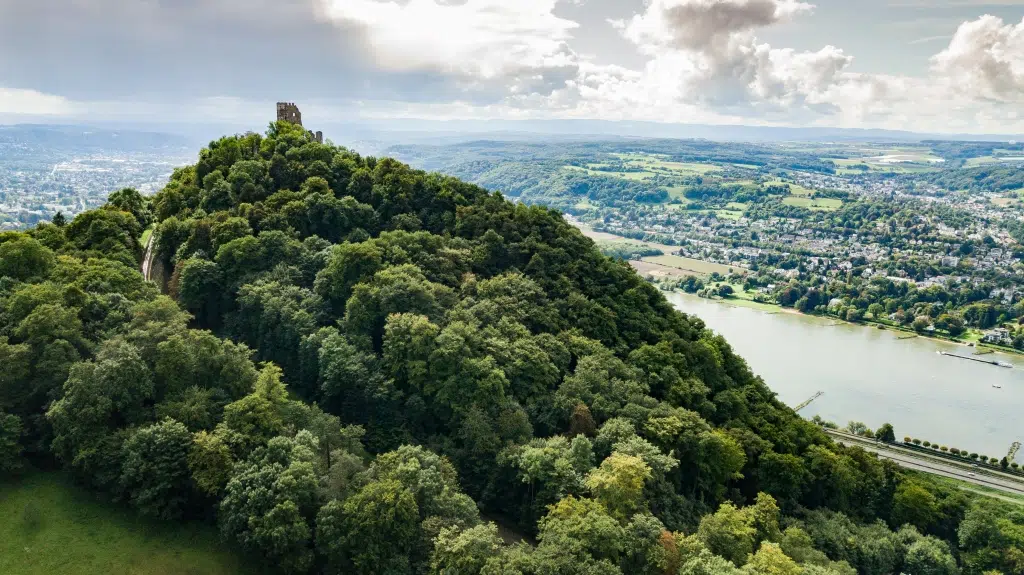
[(289, 112)]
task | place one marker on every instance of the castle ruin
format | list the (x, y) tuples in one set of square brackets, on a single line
[(289, 112)]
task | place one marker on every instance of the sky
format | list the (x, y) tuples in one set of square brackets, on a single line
[(939, 66)]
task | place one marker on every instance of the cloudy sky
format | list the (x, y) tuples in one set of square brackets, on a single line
[(924, 65)]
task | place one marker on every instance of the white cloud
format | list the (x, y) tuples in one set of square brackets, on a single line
[(703, 25), (520, 46), (985, 59), (707, 52), (694, 61), (32, 103)]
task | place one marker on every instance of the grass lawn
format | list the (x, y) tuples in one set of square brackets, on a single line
[(978, 489), (52, 527), (1004, 202), (678, 193), (729, 214), (822, 204), (736, 206), (794, 189), (146, 234), (980, 161), (585, 204), (749, 303)]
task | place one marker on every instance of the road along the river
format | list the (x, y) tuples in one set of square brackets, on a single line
[(934, 465)]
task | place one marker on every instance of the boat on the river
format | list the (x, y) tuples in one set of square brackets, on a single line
[(997, 386)]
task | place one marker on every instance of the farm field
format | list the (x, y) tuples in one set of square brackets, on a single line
[(612, 238), (665, 265), (659, 163), (691, 266), (645, 167), (50, 526), (591, 170)]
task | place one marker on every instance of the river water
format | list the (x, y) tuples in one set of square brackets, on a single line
[(869, 375)]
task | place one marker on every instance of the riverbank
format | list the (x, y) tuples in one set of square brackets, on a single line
[(871, 375), (970, 338)]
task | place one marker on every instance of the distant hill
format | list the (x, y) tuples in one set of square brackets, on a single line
[(59, 137), (373, 136), (520, 129)]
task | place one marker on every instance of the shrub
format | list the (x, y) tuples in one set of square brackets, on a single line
[(943, 449), (927, 443), (1015, 466), (935, 446), (973, 456), (954, 450), (983, 458), (917, 442), (906, 440)]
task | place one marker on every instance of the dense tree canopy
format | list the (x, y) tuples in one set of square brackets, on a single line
[(359, 366)]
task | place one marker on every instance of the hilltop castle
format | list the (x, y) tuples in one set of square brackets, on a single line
[(289, 112)]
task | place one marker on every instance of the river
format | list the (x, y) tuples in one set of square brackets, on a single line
[(869, 375)]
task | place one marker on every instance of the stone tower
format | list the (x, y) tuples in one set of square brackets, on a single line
[(289, 112)]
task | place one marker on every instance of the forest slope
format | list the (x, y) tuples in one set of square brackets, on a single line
[(355, 358)]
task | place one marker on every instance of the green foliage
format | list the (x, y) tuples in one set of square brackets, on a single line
[(728, 533), (424, 341), (23, 258), (464, 552), (270, 502), (619, 482), (155, 472), (10, 443)]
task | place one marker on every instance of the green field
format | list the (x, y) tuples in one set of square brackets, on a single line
[(729, 214), (684, 168), (794, 188), (980, 161), (823, 204), (52, 527), (910, 163), (678, 193), (659, 163), (736, 206), (591, 171)]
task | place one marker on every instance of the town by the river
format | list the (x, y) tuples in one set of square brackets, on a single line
[(872, 376)]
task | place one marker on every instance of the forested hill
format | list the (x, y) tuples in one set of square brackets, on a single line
[(358, 367)]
